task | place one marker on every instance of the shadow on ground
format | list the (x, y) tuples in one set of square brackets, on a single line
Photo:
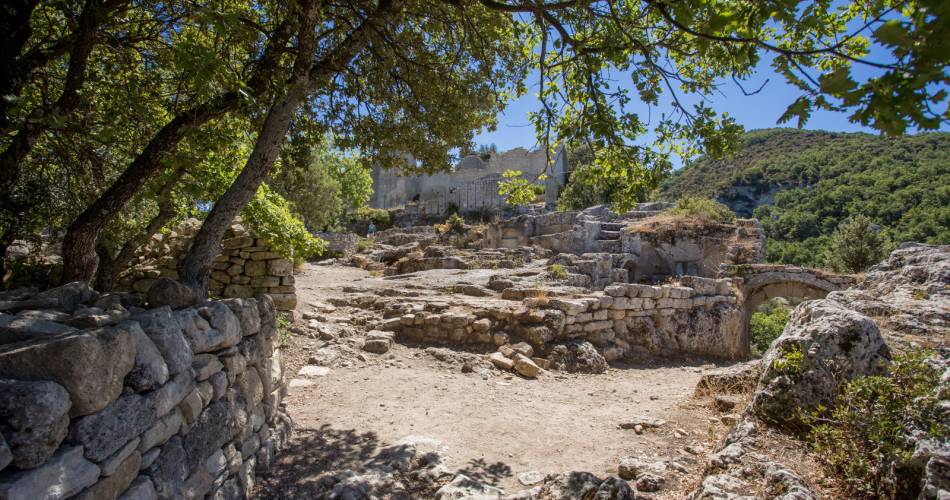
[(304, 466)]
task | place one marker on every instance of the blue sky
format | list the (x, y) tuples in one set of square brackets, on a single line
[(761, 110)]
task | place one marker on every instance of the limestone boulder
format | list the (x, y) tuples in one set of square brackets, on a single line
[(248, 315), (463, 487), (823, 344), (64, 298), (90, 364), (577, 356), (21, 328), (585, 485), (171, 293), (34, 420), (378, 342), (525, 366)]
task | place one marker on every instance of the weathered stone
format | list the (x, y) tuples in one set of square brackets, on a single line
[(280, 267), (501, 361), (214, 428), (206, 365), (169, 395), (220, 317), (161, 431), (149, 370), (170, 469), (284, 301), (190, 407), (378, 341), (162, 327), (141, 489), (234, 365), (110, 487), (633, 468), (735, 379), (525, 367), (103, 433), (822, 345), (63, 298), (237, 242), (19, 329), (64, 475), (109, 466), (577, 357), (247, 314), (725, 403), (255, 268), (168, 292), (238, 291), (34, 419), (90, 365), (251, 387)]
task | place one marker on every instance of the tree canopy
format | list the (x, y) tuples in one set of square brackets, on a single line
[(116, 114)]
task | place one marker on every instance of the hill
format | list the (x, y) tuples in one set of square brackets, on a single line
[(801, 184)]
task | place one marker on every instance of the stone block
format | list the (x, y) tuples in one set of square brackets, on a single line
[(64, 475), (167, 397), (90, 365), (170, 469), (105, 432), (237, 242), (109, 488), (255, 268), (284, 301), (265, 281), (34, 419), (149, 369), (238, 291), (161, 431), (247, 314), (280, 267), (206, 365), (110, 465), (163, 328)]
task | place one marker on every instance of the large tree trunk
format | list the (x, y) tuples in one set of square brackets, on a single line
[(110, 268), (80, 261), (79, 246), (195, 268)]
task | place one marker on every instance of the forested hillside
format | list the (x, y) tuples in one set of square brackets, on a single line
[(801, 184)]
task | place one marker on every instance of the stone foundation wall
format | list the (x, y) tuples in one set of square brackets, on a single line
[(101, 399), (701, 319), (247, 266)]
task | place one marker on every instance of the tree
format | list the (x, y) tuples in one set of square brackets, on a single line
[(855, 245), (419, 77)]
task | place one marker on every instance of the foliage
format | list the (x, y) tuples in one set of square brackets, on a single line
[(365, 215), (766, 326), (363, 244), (819, 179), (269, 214), (584, 188), (855, 245), (454, 224), (791, 361), (703, 208), (557, 271), (517, 190), (863, 439), (322, 183)]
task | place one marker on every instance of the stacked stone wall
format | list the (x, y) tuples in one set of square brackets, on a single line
[(247, 266), (702, 319), (102, 399)]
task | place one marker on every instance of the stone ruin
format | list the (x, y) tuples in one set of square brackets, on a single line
[(471, 186), (247, 266), (121, 396)]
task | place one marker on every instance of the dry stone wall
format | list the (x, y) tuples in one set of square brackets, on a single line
[(247, 266), (701, 319), (102, 399)]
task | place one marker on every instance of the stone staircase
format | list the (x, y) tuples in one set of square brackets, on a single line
[(609, 237)]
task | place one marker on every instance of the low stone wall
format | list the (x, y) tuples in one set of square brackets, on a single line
[(702, 319), (247, 266), (101, 399)]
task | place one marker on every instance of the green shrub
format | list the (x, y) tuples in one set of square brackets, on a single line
[(765, 327), (363, 244), (557, 271), (791, 361), (377, 216), (703, 208), (454, 224), (270, 216), (863, 439)]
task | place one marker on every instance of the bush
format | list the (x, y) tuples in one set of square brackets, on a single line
[(863, 440), (703, 208), (855, 246), (270, 216), (453, 224), (765, 327), (558, 271), (377, 216)]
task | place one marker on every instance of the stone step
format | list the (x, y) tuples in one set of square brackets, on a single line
[(608, 235), (609, 246), (611, 226)]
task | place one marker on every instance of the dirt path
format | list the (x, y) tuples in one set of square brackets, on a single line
[(487, 424)]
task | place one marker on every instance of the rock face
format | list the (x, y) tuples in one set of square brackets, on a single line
[(823, 344), (34, 419), (121, 412)]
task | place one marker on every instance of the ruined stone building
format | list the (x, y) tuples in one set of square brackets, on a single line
[(472, 185)]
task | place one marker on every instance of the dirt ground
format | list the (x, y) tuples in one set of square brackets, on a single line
[(487, 424)]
